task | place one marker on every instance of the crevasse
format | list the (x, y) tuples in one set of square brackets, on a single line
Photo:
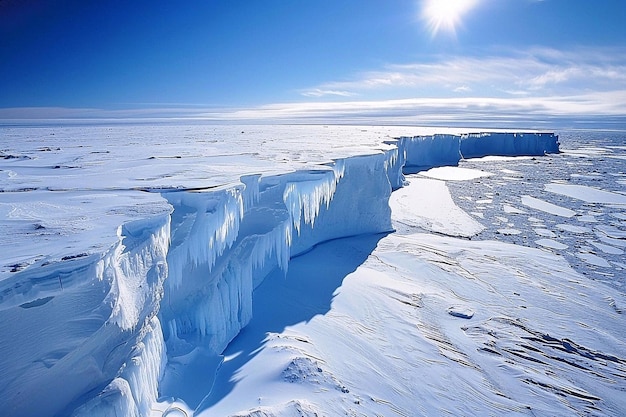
[(179, 288)]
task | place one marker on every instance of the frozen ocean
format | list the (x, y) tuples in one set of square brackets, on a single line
[(218, 270)]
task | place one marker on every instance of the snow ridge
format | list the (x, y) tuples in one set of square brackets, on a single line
[(178, 287)]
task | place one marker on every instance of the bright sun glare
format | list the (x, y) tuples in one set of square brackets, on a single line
[(445, 14)]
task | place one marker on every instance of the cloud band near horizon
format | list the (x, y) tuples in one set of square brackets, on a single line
[(536, 85)]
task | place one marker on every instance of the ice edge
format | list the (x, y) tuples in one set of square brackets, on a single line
[(182, 284)]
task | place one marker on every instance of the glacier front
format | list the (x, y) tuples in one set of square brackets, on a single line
[(129, 266)]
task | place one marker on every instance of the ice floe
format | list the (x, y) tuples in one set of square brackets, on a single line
[(550, 243), (550, 208), (454, 173), (587, 193), (438, 214)]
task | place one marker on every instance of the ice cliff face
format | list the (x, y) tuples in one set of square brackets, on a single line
[(424, 152), (476, 145), (115, 331)]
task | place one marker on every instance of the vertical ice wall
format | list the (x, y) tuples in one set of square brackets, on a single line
[(395, 163), (359, 204), (476, 145), (424, 152)]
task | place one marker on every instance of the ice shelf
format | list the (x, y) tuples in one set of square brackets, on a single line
[(104, 327)]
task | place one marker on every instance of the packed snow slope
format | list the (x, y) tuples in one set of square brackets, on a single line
[(130, 266)]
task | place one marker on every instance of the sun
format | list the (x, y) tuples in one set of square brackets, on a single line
[(445, 15)]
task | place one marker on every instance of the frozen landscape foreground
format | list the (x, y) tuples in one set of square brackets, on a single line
[(254, 271)]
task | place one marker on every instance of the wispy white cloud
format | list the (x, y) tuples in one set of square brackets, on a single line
[(462, 89), (534, 71), (318, 92)]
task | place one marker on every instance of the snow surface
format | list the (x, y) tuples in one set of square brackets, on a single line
[(436, 213), (538, 204), (454, 173), (228, 270), (587, 193)]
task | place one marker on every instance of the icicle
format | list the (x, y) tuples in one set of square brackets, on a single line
[(305, 198), (208, 227), (251, 192)]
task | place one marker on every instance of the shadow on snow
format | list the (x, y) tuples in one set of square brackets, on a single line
[(281, 301)]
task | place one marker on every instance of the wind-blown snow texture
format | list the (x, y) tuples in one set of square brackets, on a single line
[(138, 327)]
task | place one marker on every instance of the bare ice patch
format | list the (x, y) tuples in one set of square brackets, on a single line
[(512, 210), (551, 244), (587, 218), (573, 229), (586, 193), (454, 173), (496, 158), (509, 232), (612, 232), (427, 203), (607, 248), (545, 233), (546, 207), (593, 259)]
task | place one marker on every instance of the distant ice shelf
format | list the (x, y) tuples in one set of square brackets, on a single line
[(106, 328)]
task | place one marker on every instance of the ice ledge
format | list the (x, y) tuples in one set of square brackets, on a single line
[(182, 284), (424, 152)]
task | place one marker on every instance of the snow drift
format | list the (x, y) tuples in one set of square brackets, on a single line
[(108, 334)]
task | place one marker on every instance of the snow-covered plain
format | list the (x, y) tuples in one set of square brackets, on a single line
[(254, 271)]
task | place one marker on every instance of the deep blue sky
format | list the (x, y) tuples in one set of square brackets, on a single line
[(278, 58)]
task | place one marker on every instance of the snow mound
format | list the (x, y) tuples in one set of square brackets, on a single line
[(294, 408)]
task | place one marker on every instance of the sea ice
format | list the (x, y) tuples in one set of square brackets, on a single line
[(512, 172), (593, 259), (545, 233), (607, 248), (541, 205), (512, 210), (454, 173), (611, 231), (587, 193), (437, 212), (573, 229), (587, 218), (552, 244), (610, 240), (509, 232), (586, 176)]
